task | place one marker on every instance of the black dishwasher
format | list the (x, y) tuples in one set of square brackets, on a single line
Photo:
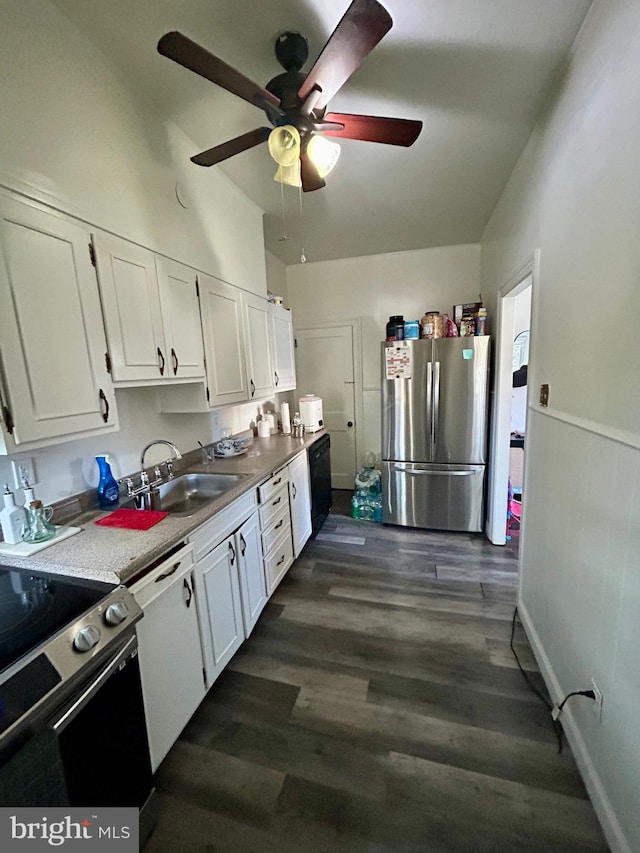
[(320, 476)]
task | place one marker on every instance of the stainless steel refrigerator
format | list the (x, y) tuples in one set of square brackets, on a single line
[(434, 432)]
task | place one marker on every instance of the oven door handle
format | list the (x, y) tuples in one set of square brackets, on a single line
[(73, 710)]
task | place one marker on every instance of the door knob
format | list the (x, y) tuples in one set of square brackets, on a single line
[(349, 423)]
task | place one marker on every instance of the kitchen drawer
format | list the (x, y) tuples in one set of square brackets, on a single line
[(279, 523), (271, 486), (271, 508), (277, 562), (155, 581), (222, 524)]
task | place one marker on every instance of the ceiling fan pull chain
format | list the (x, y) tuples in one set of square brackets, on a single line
[(284, 237), (303, 257)]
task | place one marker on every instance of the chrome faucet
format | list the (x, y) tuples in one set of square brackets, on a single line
[(176, 452)]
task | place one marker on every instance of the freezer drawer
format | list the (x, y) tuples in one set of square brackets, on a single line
[(441, 497)]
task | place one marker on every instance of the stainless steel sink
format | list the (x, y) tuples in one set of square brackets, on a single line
[(189, 493)]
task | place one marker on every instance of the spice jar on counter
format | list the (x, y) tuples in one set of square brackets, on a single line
[(432, 325)]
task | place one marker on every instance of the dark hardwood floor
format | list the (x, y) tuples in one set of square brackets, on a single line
[(377, 708)]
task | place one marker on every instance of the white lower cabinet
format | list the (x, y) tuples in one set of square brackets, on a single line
[(253, 588), (170, 653), (227, 558), (300, 501), (218, 591)]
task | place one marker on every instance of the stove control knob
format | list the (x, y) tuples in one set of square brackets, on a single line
[(86, 638), (116, 613)]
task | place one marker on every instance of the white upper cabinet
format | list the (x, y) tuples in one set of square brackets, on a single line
[(282, 348), (54, 382), (260, 379), (181, 319), (151, 314), (221, 309)]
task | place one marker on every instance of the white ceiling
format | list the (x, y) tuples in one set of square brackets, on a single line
[(476, 72)]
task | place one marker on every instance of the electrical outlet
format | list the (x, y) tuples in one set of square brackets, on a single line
[(597, 703), (23, 467)]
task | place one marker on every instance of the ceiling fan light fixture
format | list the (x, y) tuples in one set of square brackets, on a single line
[(289, 175), (284, 145), (323, 154), (284, 148)]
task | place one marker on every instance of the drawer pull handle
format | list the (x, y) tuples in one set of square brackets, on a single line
[(279, 480), (281, 560), (279, 524), (276, 502), (168, 574), (189, 591)]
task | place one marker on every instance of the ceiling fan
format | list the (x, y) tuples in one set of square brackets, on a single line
[(298, 100)]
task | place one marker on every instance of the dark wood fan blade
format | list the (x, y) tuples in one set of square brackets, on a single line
[(190, 55), (391, 131), (309, 176), (234, 146), (362, 26)]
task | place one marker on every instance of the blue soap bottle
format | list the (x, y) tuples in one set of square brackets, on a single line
[(108, 491)]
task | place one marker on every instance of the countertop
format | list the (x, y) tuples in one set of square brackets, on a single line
[(114, 555)]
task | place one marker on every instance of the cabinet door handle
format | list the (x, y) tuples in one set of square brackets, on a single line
[(187, 588), (253, 388), (233, 553), (161, 359), (103, 399), (243, 545), (176, 363), (295, 491), (275, 373), (168, 574)]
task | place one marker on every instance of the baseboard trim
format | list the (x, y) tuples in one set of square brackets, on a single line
[(604, 810)]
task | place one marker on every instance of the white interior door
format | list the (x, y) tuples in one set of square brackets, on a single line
[(325, 366)]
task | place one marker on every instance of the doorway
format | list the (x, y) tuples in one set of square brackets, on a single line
[(506, 493), (326, 366)]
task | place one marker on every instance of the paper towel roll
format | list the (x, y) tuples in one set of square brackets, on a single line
[(286, 420)]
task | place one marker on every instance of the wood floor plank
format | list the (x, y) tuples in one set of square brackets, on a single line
[(534, 762), (310, 675), (509, 808)]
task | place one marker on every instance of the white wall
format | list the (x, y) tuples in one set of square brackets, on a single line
[(75, 137), (72, 130), (276, 276), (371, 289), (575, 194)]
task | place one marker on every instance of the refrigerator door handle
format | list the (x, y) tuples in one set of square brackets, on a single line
[(429, 406), (435, 407), (420, 471)]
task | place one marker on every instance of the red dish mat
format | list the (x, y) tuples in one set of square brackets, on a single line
[(132, 519)]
